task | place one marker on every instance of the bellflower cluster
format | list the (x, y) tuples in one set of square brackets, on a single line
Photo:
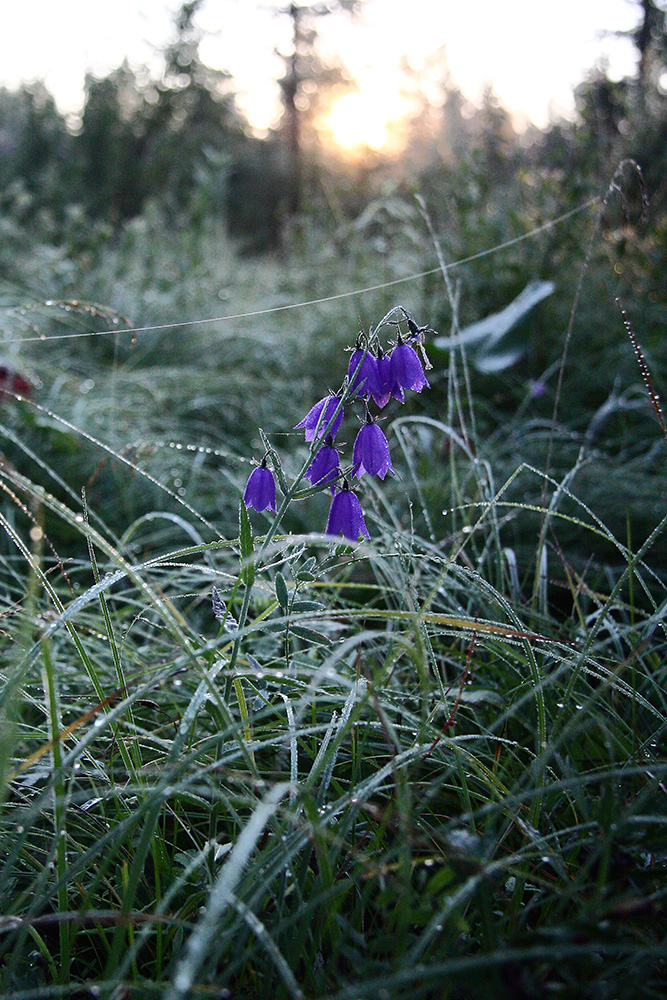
[(373, 376), (380, 376)]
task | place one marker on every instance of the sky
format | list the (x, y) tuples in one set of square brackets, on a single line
[(533, 52)]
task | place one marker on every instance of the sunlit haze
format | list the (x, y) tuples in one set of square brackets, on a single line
[(363, 118), (531, 53)]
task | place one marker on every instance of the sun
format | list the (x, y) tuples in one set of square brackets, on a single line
[(360, 120)]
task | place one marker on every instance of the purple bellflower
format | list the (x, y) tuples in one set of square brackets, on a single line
[(371, 452), (260, 491), (366, 377), (325, 467), (385, 386), (406, 368), (346, 516), (321, 415)]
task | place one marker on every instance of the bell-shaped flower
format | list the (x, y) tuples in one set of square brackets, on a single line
[(406, 368), (346, 516), (371, 452), (318, 420), (325, 467), (362, 372), (385, 386), (260, 491)]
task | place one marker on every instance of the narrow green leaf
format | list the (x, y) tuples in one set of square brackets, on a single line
[(307, 606), (310, 635), (281, 591)]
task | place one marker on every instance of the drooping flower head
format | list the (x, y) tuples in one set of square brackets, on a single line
[(260, 491), (362, 371), (371, 452), (385, 386), (325, 467), (319, 417), (406, 368), (346, 516)]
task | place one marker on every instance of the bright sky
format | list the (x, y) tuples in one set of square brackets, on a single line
[(532, 51)]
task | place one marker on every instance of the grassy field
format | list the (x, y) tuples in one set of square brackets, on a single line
[(245, 759)]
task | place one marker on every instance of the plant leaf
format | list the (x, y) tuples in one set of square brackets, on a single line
[(281, 591)]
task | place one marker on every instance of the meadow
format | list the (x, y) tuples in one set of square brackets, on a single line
[(244, 758)]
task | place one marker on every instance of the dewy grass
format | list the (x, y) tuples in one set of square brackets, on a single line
[(251, 752)]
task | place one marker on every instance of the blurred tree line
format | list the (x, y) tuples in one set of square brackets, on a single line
[(137, 138), (181, 141)]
